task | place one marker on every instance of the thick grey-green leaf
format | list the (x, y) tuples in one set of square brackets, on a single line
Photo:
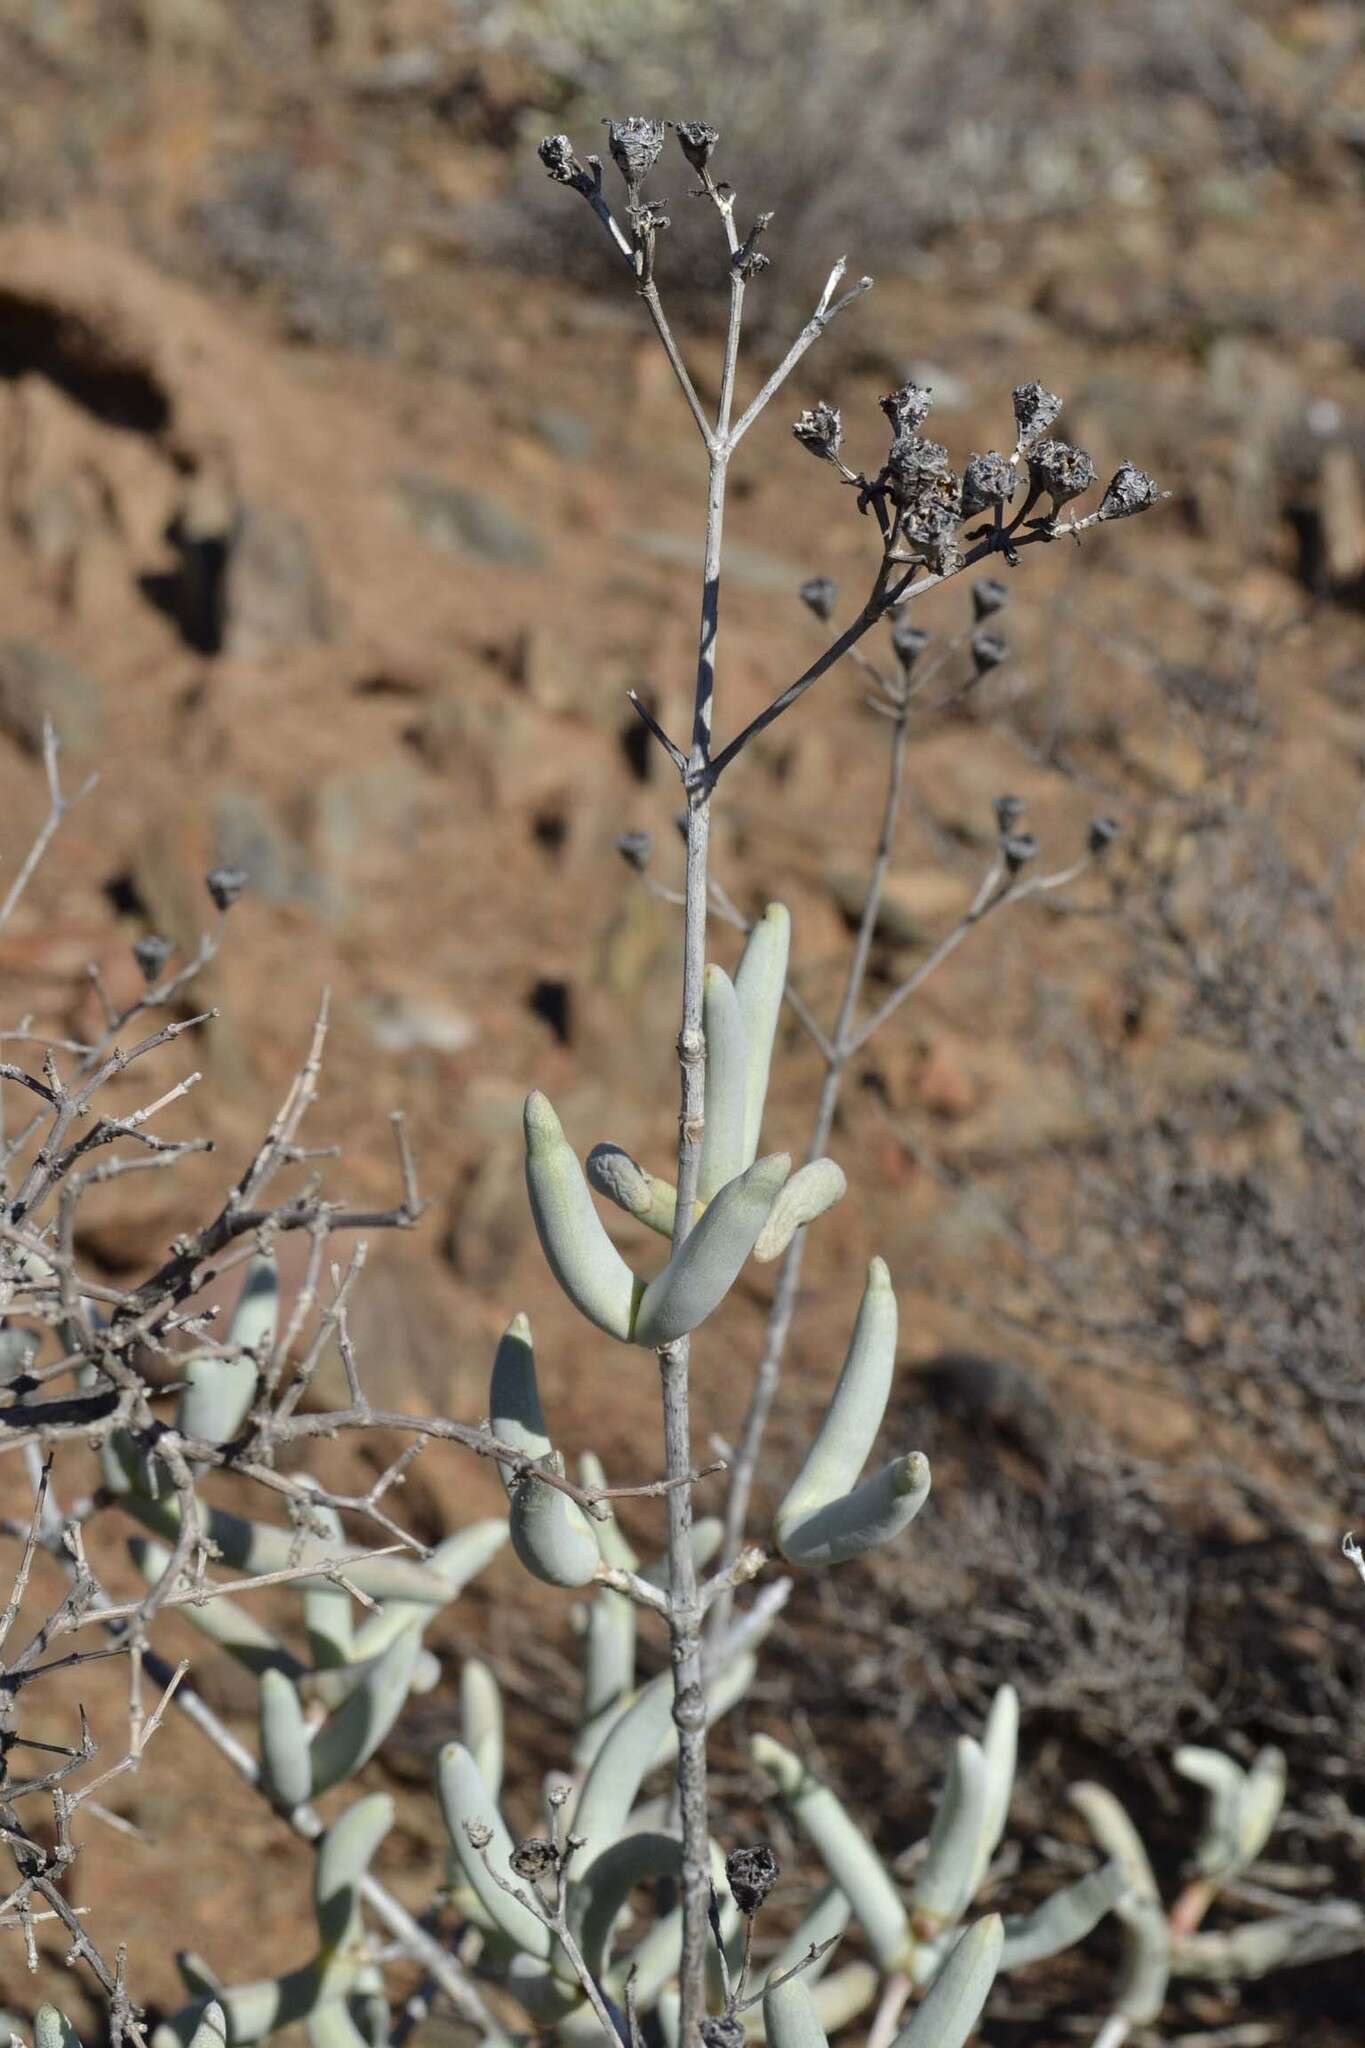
[(706, 1265), (948, 2013), (1063, 1919), (573, 1237)]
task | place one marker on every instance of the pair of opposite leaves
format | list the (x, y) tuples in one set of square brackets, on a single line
[(827, 1515), (744, 1204)]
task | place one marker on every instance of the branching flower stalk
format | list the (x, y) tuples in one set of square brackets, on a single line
[(720, 437), (918, 504), (895, 696)]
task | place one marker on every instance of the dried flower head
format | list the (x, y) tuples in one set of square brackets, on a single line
[(907, 408), (534, 1859), (751, 1874), (1129, 490), (989, 479), (1008, 811), (989, 595), (556, 153), (819, 594), (821, 429), (908, 642), (151, 954), (1034, 411), (928, 491), (635, 849), (225, 885), (697, 139), (1061, 470), (912, 459), (988, 651), (1103, 832), (478, 1834), (635, 144), (1017, 848)]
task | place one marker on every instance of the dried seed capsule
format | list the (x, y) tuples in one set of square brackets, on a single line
[(821, 430), (225, 885), (151, 954), (1017, 849), (911, 460), (819, 593), (556, 153), (1103, 833), (635, 144), (1034, 411), (1061, 470), (989, 650), (989, 479), (908, 407), (534, 1859), (1129, 490), (928, 491), (751, 1874), (989, 595), (1008, 811), (697, 140), (908, 643)]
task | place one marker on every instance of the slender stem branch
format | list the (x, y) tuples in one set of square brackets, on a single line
[(728, 367), (828, 308), (888, 2015), (649, 292), (993, 893), (685, 1613), (877, 605)]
